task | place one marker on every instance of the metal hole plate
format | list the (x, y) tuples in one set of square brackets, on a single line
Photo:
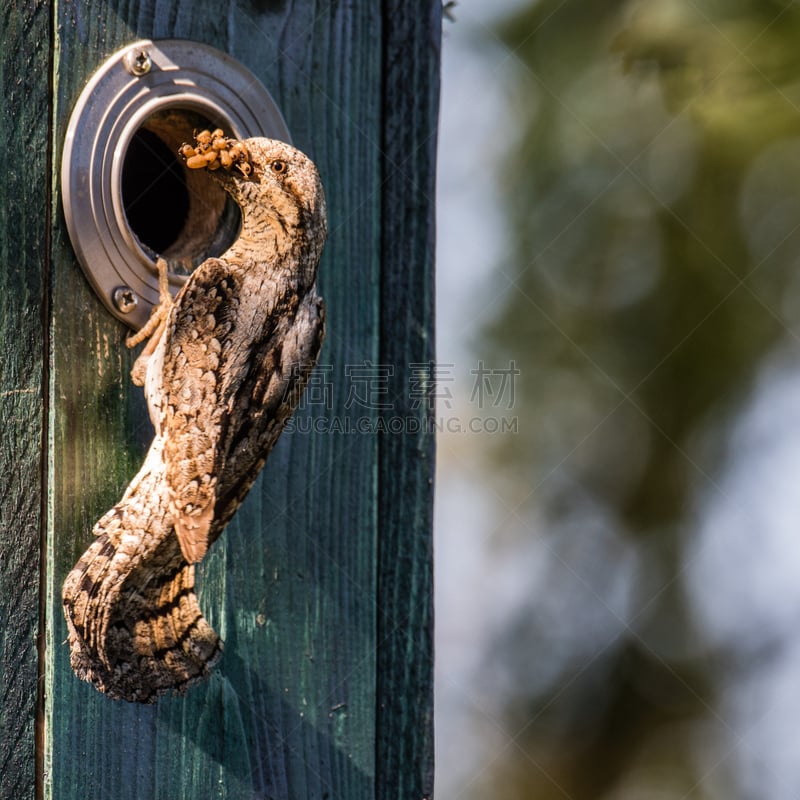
[(144, 78)]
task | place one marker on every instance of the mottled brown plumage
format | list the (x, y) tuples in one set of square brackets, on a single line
[(223, 371)]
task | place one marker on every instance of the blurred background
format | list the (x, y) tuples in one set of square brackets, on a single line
[(617, 510)]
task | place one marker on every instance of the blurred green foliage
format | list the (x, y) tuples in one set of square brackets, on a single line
[(653, 204)]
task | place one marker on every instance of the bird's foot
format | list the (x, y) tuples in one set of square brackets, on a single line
[(154, 326)]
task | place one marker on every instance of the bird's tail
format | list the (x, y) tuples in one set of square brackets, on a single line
[(135, 627)]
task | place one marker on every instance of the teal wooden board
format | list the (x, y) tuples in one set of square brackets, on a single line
[(404, 722), (24, 104), (290, 711), (321, 586)]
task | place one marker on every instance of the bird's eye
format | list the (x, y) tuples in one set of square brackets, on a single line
[(278, 166)]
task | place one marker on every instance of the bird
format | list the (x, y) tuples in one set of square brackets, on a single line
[(224, 367)]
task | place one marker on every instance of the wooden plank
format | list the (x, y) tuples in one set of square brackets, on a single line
[(405, 580), (24, 40), (290, 711)]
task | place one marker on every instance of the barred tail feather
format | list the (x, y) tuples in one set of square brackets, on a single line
[(135, 627), (137, 639)]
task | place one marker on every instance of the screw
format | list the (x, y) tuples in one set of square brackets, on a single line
[(138, 62), (125, 299)]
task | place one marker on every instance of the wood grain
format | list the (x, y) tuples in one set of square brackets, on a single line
[(406, 461), (321, 586), (290, 712), (24, 36)]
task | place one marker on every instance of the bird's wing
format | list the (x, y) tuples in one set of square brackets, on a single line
[(282, 361), (196, 388)]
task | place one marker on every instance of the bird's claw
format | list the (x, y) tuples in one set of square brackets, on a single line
[(154, 326)]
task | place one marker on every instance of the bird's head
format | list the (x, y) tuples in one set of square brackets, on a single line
[(277, 188)]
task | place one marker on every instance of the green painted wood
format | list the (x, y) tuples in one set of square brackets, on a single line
[(296, 586), (24, 40), (406, 461)]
